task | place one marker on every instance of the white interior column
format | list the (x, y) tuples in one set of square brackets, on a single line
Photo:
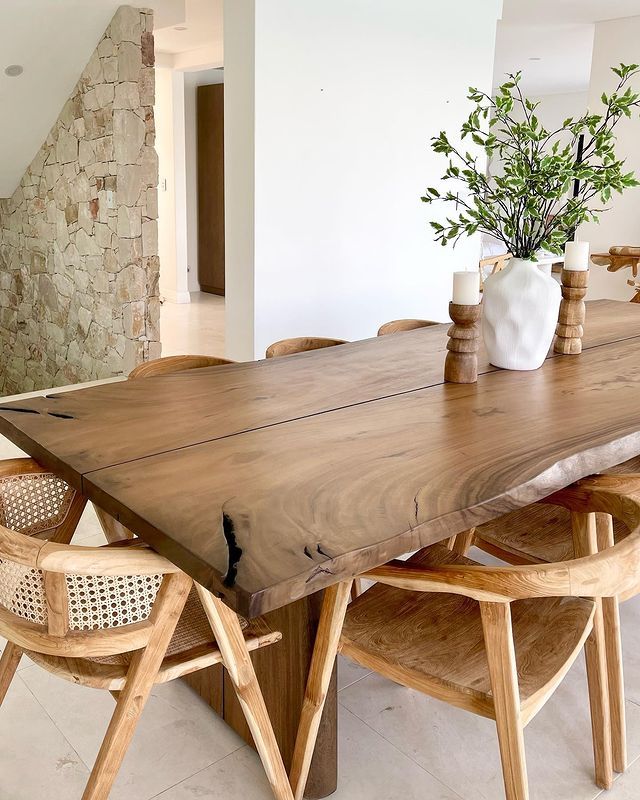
[(330, 107), (615, 41), (172, 190)]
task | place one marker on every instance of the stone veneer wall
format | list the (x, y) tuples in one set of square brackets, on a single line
[(78, 239)]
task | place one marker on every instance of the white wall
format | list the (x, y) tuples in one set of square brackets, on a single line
[(172, 189), (340, 158), (555, 108), (192, 80), (239, 166), (615, 41)]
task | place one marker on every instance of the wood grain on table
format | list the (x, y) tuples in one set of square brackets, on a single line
[(272, 480), (271, 515), (118, 422)]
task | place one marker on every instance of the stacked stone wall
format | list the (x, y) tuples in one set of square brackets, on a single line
[(78, 238)]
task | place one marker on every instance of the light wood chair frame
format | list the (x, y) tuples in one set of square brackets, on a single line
[(592, 574), (170, 364), (402, 325), (67, 652), (497, 263), (300, 344), (610, 614)]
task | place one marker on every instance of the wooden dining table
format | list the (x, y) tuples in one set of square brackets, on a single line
[(269, 481)]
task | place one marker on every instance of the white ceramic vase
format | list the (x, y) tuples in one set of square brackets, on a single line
[(520, 312)]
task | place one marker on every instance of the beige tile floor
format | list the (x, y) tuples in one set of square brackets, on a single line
[(195, 328), (394, 743)]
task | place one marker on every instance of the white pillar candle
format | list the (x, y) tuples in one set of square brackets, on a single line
[(466, 288), (576, 255)]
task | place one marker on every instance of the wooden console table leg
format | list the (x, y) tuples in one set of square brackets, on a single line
[(282, 671)]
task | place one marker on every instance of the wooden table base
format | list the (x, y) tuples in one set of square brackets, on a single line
[(282, 671)]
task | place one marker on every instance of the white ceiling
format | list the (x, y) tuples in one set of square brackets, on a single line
[(559, 11), (203, 23), (559, 33), (53, 41)]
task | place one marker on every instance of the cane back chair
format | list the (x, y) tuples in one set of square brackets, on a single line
[(495, 641), (35, 502), (122, 618)]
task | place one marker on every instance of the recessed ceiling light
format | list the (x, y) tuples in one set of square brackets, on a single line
[(180, 28), (535, 58), (13, 70)]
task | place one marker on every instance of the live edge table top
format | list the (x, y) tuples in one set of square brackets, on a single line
[(267, 481)]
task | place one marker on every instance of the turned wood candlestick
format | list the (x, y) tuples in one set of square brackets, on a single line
[(461, 363), (569, 330)]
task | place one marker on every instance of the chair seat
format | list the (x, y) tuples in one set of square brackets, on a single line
[(433, 642), (540, 533), (192, 647)]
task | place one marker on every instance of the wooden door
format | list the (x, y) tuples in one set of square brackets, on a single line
[(211, 188)]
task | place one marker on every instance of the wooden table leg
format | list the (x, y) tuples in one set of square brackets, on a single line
[(282, 671)]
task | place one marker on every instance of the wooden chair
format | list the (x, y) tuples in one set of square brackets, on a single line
[(169, 364), (37, 503), (113, 529), (496, 641), (122, 618), (400, 325), (497, 263), (541, 533), (301, 344)]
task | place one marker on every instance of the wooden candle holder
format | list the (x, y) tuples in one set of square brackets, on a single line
[(461, 363), (569, 330)]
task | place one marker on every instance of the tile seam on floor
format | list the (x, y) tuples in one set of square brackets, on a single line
[(353, 683), (53, 722), (89, 767), (395, 747), (198, 772)]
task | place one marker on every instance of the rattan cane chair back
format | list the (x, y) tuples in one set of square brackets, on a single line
[(35, 502), (59, 599), (123, 618)]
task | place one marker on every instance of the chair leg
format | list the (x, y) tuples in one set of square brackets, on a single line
[(334, 608), (595, 655), (140, 681), (585, 542), (8, 665), (237, 661), (613, 646), (463, 542), (498, 637)]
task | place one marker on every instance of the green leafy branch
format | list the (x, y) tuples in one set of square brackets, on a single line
[(529, 206)]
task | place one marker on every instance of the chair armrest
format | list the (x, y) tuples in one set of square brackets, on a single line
[(487, 584), (11, 467)]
